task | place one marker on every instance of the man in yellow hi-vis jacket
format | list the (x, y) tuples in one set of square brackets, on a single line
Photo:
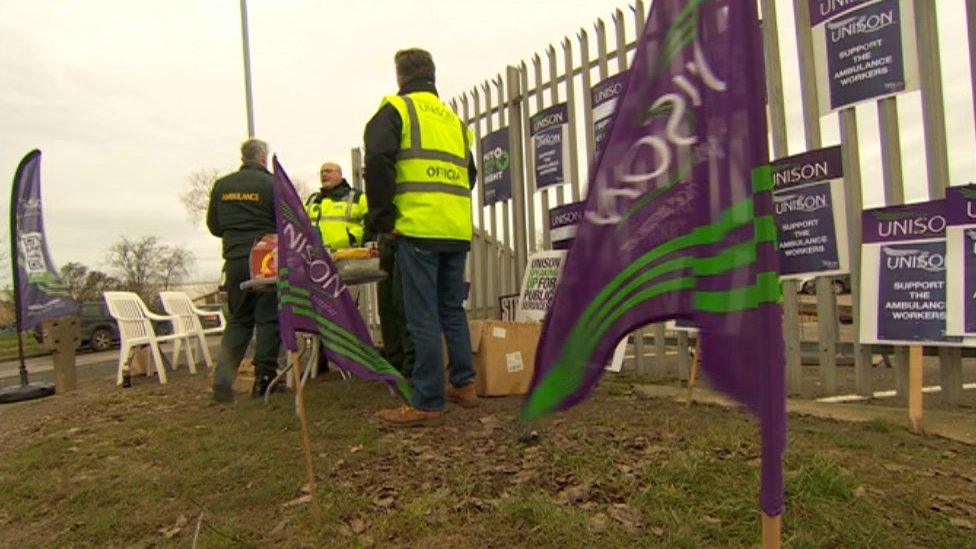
[(419, 176), (337, 210)]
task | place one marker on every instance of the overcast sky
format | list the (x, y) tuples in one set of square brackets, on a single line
[(126, 99)]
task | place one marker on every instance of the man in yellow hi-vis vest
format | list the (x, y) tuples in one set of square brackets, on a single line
[(337, 210), (419, 176)]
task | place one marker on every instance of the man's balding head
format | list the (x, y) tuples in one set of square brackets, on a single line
[(330, 174)]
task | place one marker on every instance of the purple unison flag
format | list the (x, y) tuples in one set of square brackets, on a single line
[(312, 297), (40, 292), (679, 224)]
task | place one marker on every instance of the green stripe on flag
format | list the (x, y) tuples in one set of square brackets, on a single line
[(765, 290)]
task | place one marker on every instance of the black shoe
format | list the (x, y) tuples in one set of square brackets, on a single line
[(223, 394), (261, 383)]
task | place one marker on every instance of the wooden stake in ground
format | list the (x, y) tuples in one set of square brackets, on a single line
[(771, 534), (693, 375), (915, 358), (306, 444)]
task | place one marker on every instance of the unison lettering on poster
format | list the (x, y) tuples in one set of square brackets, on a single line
[(550, 145), (808, 200), (539, 285), (903, 262), (863, 50), (603, 98)]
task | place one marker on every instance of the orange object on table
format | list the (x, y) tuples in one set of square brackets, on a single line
[(264, 257)]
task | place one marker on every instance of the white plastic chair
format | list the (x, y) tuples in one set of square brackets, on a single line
[(179, 305), (136, 329)]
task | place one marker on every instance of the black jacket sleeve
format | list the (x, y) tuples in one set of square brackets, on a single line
[(213, 221), (382, 140)]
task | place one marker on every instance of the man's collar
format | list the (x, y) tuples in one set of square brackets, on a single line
[(253, 166), (418, 85)]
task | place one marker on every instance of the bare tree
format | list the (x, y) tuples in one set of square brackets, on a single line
[(86, 284), (146, 266), (197, 197)]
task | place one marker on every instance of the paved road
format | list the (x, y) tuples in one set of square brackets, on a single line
[(89, 365)]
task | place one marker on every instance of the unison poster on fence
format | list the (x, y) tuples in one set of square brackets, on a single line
[(863, 50), (603, 97), (495, 151), (562, 224), (550, 146), (961, 260), (539, 285), (808, 195), (903, 274)]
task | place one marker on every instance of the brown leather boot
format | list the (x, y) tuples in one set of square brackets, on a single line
[(465, 396), (406, 416)]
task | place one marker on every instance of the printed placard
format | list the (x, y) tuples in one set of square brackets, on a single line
[(496, 167), (550, 146), (603, 99), (562, 224), (961, 261), (810, 211), (863, 50), (507, 305), (539, 285), (903, 262)]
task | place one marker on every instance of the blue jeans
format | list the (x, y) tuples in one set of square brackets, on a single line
[(433, 296)]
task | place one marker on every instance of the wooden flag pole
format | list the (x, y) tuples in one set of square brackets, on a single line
[(307, 445), (771, 531), (693, 375), (915, 359)]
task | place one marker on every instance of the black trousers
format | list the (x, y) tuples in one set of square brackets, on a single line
[(250, 313)]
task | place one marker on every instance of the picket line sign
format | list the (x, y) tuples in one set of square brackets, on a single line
[(961, 261), (863, 51), (551, 146), (810, 211), (904, 256), (538, 287)]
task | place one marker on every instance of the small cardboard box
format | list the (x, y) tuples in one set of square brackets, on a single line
[(504, 356)]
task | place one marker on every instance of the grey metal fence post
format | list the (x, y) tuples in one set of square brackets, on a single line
[(507, 237), (543, 194), (774, 93), (863, 382), (936, 156), (574, 163), (516, 130), (894, 191), (826, 299), (529, 158), (971, 26), (477, 256), (554, 90), (588, 133)]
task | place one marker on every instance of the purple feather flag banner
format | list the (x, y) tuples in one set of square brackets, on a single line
[(40, 291), (679, 224), (312, 297)]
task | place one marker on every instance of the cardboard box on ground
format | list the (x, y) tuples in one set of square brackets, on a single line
[(503, 355)]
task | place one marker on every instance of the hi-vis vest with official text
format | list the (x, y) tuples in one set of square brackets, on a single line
[(339, 222), (433, 194)]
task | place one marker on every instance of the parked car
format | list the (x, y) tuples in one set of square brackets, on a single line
[(840, 285), (99, 331)]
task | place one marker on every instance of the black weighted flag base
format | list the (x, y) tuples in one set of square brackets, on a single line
[(28, 391)]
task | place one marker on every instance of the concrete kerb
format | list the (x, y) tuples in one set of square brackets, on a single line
[(955, 426)]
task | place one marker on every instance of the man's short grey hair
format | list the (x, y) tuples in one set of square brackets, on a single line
[(254, 150)]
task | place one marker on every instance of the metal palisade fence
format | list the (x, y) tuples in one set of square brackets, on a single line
[(565, 89)]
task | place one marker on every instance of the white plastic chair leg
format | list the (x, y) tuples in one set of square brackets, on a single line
[(205, 350), (158, 361), (123, 355)]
